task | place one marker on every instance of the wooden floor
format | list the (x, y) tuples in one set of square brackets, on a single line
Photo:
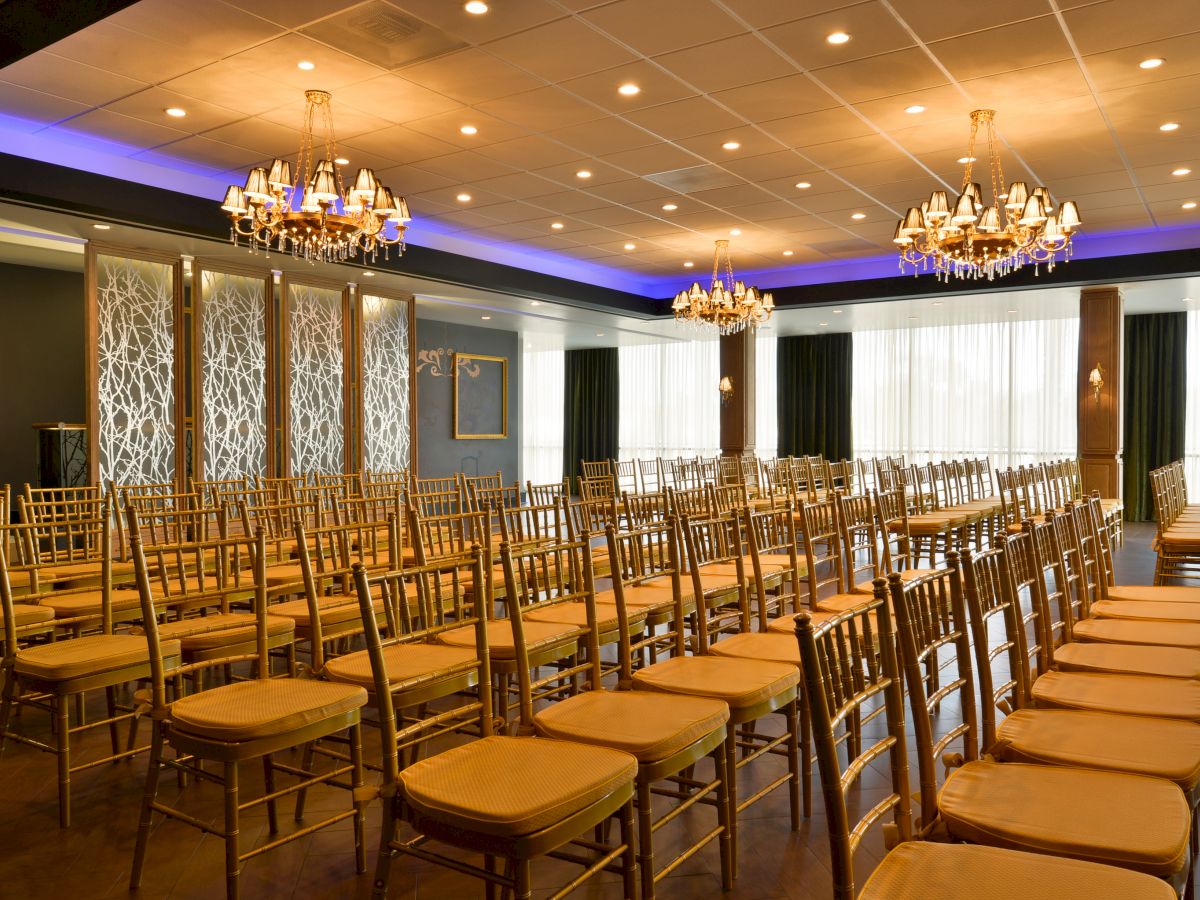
[(92, 858)]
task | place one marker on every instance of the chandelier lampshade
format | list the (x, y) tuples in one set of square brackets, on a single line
[(728, 304), (306, 210), (969, 239)]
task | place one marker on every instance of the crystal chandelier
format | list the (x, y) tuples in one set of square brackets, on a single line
[(972, 241), (729, 305), (312, 216)]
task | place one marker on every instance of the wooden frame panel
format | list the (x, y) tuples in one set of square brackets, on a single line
[(411, 302), (459, 435)]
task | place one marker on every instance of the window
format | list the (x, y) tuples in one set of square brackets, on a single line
[(670, 405), (766, 402), (1005, 390), (542, 377), (1191, 436)]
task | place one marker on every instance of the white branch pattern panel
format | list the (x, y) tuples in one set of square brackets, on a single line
[(385, 387), (317, 432), (233, 347), (136, 384)]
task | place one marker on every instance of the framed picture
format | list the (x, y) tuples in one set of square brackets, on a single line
[(480, 397)]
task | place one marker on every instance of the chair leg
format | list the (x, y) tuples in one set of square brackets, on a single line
[(725, 841), (793, 753), (645, 841), (383, 863), (151, 794), (306, 761), (524, 880), (360, 805), (489, 887), (110, 698), (629, 864), (806, 755), (269, 785), (6, 704), (731, 769), (62, 748), (232, 863)]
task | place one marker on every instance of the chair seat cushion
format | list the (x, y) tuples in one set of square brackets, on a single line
[(263, 708), (25, 614), (1158, 593), (85, 569), (511, 786), (501, 643), (1131, 659), (918, 870), (648, 596), (332, 610), (91, 655), (906, 575), (221, 630), (291, 573), (1146, 610), (1115, 818), (651, 726), (1138, 631), (1163, 748), (739, 682), (839, 603), (771, 646), (90, 603), (407, 665), (1131, 695), (576, 614), (729, 569), (786, 624)]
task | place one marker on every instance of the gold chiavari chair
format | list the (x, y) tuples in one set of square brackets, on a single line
[(715, 570), (63, 540), (277, 521), (842, 674), (690, 501), (476, 482), (650, 475), (164, 494), (770, 536), (552, 492), (49, 676), (644, 508), (531, 524), (823, 561), (1131, 821), (501, 497), (933, 531), (211, 489), (285, 487), (625, 474), (1177, 539), (541, 794), (598, 470), (244, 721), (324, 500)]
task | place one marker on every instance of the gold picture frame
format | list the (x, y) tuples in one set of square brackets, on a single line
[(471, 395)]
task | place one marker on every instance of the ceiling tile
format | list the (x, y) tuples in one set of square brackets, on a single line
[(481, 200), (792, 94), (106, 45), (471, 76), (613, 216), (675, 24), (544, 109), (399, 143), (277, 60), (261, 135), (227, 83), (695, 65), (629, 191), (294, 13), (782, 164), (560, 50), (216, 29), (519, 186), (68, 79), (377, 32), (571, 202), (752, 141), (209, 154), (566, 174), (1056, 81), (885, 75), (399, 100), (446, 127), (502, 19), (1033, 42), (685, 118), (818, 127), (35, 108), (150, 105), (764, 13), (348, 122), (933, 22), (411, 179), (656, 87), (466, 166), (531, 152), (1123, 23), (601, 137), (507, 211), (871, 27), (137, 134), (652, 159), (1117, 69)]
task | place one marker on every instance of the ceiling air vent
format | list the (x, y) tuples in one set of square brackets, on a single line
[(381, 34), (694, 178)]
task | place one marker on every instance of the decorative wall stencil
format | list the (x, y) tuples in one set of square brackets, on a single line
[(480, 396), (135, 347), (316, 376), (386, 397), (439, 362), (233, 365)]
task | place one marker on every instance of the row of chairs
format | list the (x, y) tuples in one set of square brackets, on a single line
[(1177, 541)]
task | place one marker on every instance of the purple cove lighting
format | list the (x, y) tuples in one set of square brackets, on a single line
[(59, 145)]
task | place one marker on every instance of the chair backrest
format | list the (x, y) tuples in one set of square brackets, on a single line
[(858, 528), (645, 508), (773, 531), (708, 540), (726, 498), (505, 496), (896, 547), (541, 494), (67, 532), (689, 501), (596, 470), (650, 552), (650, 474), (625, 473), (844, 678), (821, 544), (530, 524)]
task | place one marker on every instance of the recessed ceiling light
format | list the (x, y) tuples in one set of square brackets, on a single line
[(1187, 299), (100, 226), (804, 185), (730, 145), (535, 302), (175, 112), (837, 312), (368, 274), (599, 334), (1012, 312), (966, 159), (669, 207), (629, 90), (463, 198), (476, 7), (631, 246), (688, 264), (1152, 63), (937, 302), (838, 37), (858, 215), (912, 318), (914, 109), (557, 226), (1191, 204), (583, 173), (305, 65), (788, 252), (469, 129), (1169, 126), (1181, 171), (823, 324), (485, 318), (342, 161), (735, 232)]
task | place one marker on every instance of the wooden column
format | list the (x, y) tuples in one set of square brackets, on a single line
[(1099, 419), (737, 411)]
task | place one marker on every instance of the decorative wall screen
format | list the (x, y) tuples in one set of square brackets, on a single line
[(316, 372), (135, 383), (233, 374), (386, 398)]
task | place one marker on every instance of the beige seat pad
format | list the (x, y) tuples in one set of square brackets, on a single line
[(918, 870), (91, 655), (1138, 631), (771, 646), (906, 575), (787, 624), (502, 645), (739, 682), (29, 614), (332, 610), (1163, 748), (1159, 593), (90, 603), (291, 573), (784, 561), (728, 570), (222, 630), (88, 569), (1132, 659), (576, 614), (1133, 695), (510, 786), (1146, 610), (647, 596), (407, 665), (262, 708), (839, 603), (1115, 818), (651, 726)]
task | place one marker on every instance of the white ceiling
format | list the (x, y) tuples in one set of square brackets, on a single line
[(538, 78)]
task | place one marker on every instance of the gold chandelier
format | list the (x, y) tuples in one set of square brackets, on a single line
[(973, 241), (312, 216), (729, 305)]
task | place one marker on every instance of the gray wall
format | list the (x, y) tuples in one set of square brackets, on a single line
[(41, 361), (438, 453)]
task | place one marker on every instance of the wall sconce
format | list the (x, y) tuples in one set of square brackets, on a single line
[(725, 386), (1096, 380)]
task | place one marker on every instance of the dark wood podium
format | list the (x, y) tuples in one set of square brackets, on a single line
[(62, 454)]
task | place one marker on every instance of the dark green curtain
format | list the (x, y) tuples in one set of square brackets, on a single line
[(591, 407), (815, 374), (1155, 377)]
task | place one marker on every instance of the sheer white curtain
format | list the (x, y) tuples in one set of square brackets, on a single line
[(542, 378), (1003, 389), (766, 401), (669, 401), (1191, 437)]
